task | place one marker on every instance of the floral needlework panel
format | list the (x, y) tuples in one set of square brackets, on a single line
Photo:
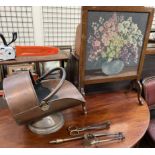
[(114, 41)]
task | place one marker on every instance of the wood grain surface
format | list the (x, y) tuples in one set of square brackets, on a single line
[(27, 59), (150, 51), (122, 109)]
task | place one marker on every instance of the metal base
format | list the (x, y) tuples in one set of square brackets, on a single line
[(48, 124)]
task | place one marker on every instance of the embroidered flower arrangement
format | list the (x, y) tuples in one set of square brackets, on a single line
[(116, 38)]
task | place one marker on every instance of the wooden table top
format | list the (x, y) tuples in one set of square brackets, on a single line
[(27, 59), (122, 109)]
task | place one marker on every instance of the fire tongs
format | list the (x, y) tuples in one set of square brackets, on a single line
[(91, 138)]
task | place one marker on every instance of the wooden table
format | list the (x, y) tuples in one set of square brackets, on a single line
[(27, 59), (122, 109)]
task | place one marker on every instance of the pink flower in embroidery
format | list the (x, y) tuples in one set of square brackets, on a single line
[(101, 28), (105, 41), (97, 43), (107, 24), (105, 34)]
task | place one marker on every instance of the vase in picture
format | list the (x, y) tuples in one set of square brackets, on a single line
[(113, 67)]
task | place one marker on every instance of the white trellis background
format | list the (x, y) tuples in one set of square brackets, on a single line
[(46, 25)]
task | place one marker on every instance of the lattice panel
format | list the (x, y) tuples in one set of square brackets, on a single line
[(153, 24), (59, 24), (17, 19)]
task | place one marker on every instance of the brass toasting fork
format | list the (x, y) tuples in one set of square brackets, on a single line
[(89, 136)]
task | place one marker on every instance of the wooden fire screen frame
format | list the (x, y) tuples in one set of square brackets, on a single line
[(106, 13)]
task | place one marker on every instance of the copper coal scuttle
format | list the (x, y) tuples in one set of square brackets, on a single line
[(39, 103)]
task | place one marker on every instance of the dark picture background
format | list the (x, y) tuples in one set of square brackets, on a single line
[(93, 16)]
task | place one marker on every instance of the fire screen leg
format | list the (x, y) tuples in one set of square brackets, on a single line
[(137, 85), (84, 104), (84, 108)]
